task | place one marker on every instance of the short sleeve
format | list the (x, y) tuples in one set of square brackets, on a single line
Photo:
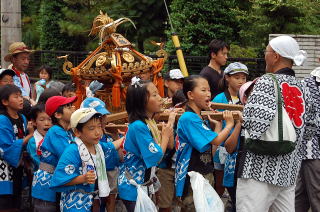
[(150, 151), (31, 149), (197, 132), (10, 148), (57, 141), (111, 155), (67, 169)]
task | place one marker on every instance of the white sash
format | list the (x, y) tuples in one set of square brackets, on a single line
[(100, 166)]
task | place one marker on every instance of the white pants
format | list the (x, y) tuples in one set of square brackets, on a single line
[(256, 196)]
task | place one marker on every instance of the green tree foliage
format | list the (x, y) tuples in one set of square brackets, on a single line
[(65, 24), (79, 16), (264, 17), (51, 36), (198, 22), (30, 23), (149, 17), (244, 23)]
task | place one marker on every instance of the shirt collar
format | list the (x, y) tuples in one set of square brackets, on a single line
[(286, 71), (16, 71)]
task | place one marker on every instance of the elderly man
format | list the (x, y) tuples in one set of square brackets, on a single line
[(267, 180), (19, 57)]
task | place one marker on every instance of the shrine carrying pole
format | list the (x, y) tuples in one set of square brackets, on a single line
[(176, 42)]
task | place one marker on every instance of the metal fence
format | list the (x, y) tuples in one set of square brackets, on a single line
[(194, 63)]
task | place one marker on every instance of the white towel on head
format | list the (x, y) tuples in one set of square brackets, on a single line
[(289, 48), (316, 73)]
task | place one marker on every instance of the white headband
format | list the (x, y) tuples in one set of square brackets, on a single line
[(288, 47), (316, 73)]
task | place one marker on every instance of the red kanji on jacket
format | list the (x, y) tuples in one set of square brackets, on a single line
[(294, 103)]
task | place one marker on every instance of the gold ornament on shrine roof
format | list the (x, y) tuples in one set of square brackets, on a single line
[(114, 62)]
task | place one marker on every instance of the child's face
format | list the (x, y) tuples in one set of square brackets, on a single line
[(221, 57), (91, 132), (6, 79), (69, 94), (201, 94), (42, 123), (15, 102), (235, 81), (173, 86), (154, 100), (44, 75), (145, 76), (66, 113)]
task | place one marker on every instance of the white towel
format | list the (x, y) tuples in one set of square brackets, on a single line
[(100, 166), (289, 48)]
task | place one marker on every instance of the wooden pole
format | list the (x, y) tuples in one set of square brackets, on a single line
[(165, 116), (117, 116), (214, 115), (124, 114), (219, 106)]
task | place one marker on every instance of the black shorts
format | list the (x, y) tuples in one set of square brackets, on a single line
[(7, 202)]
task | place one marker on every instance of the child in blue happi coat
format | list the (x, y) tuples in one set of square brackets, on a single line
[(144, 144), (235, 75), (196, 138), (108, 137), (14, 137), (166, 171), (41, 122), (55, 142), (81, 172)]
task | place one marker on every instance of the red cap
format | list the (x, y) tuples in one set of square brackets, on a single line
[(54, 102)]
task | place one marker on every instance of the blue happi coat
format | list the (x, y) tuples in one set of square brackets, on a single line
[(77, 197), (193, 133), (230, 162), (10, 153), (109, 165), (142, 152), (55, 142)]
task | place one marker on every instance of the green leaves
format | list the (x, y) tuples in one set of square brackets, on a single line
[(277, 16), (65, 24), (198, 22)]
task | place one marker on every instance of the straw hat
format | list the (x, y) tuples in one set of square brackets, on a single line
[(15, 48)]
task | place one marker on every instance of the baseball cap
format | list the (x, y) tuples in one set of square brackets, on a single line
[(95, 103), (54, 102), (234, 68), (82, 115), (6, 72), (174, 74)]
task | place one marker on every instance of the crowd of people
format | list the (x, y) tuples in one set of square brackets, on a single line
[(54, 157)]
